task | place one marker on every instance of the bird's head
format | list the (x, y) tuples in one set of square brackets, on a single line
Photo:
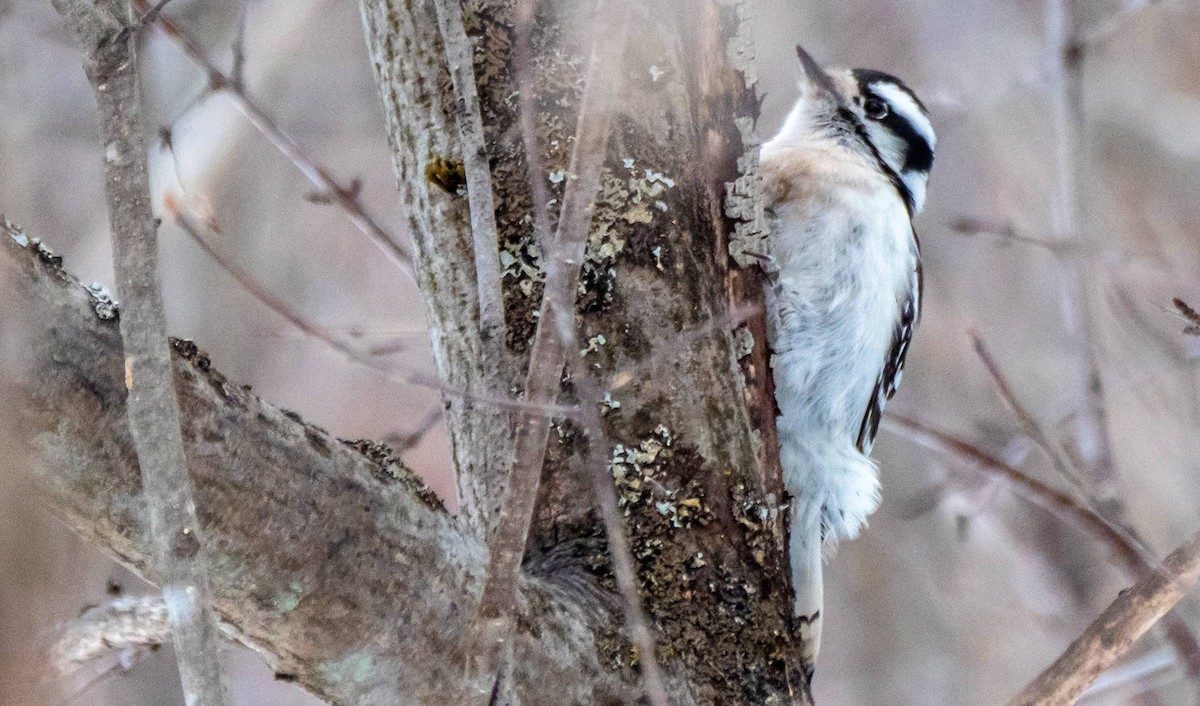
[(874, 113)]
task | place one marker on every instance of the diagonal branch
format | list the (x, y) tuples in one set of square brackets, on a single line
[(180, 553), (469, 119), (1116, 630), (1028, 422), (290, 513), (338, 343), (1125, 548)]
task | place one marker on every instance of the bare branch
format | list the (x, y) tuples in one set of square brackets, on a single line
[(526, 90), (152, 14), (1028, 422), (124, 626), (344, 197), (1009, 233), (1116, 630), (340, 344), (406, 441), (112, 69), (459, 59), (563, 264), (1126, 549), (237, 72), (292, 512)]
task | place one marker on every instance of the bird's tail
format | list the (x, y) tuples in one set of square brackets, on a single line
[(805, 548)]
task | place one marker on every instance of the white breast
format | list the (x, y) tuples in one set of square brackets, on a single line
[(843, 242)]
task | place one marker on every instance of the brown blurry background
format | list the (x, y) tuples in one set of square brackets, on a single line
[(960, 591)]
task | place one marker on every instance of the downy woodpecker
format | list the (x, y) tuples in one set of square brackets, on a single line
[(843, 178)]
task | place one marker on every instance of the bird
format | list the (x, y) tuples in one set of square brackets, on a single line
[(843, 179)]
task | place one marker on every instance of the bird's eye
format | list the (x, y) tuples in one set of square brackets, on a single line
[(875, 108)]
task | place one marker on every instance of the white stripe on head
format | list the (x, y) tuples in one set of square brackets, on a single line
[(903, 104)]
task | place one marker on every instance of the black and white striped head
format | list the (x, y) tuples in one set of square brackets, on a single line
[(882, 115)]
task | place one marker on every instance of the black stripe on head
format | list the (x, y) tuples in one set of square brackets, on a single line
[(918, 153), (866, 77), (848, 118)]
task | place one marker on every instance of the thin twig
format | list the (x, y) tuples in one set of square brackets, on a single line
[(1126, 549), (459, 58), (1009, 233), (1030, 488), (564, 259), (1117, 629), (346, 198), (338, 343), (151, 14), (153, 408), (523, 63), (1028, 423), (406, 441)]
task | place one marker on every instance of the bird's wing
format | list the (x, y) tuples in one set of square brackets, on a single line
[(893, 365)]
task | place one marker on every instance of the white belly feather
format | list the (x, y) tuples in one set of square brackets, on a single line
[(846, 257)]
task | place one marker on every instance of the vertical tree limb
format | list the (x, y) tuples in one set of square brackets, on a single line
[(111, 66), (1112, 634), (556, 328), (415, 87), (475, 165), (703, 528), (590, 394), (1064, 84)]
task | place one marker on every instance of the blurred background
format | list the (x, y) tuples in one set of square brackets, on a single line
[(1063, 218)]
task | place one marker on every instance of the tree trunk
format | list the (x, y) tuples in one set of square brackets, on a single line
[(695, 428)]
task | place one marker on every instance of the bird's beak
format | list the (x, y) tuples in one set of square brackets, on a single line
[(816, 75)]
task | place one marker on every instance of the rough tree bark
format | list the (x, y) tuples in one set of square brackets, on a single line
[(700, 491), (332, 561)]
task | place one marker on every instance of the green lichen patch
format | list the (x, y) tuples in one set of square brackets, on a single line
[(642, 485), (447, 174), (713, 607)]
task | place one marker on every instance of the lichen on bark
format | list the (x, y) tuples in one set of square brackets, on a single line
[(707, 533)]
